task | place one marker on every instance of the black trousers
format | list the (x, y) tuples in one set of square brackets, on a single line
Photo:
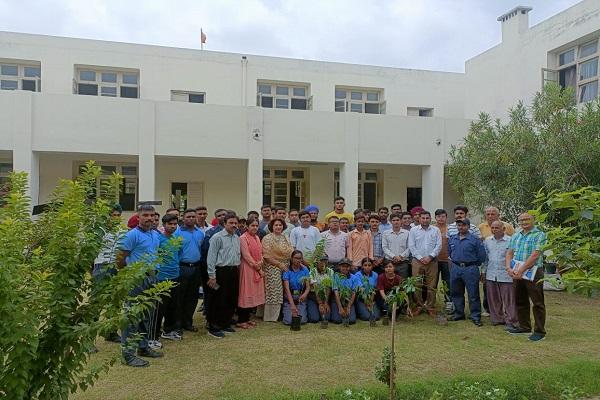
[(170, 310), (524, 292), (190, 282), (223, 301)]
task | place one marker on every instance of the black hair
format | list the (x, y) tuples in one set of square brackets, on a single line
[(252, 212), (219, 210), (396, 205), (201, 208), (272, 222), (339, 198), (189, 210), (229, 216), (364, 260), (425, 212), (303, 212), (373, 216), (396, 215), (383, 208), (461, 208), (168, 218), (265, 206), (171, 209), (440, 211)]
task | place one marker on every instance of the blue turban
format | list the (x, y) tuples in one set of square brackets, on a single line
[(311, 208)]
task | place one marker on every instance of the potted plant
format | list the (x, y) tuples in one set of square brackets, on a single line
[(345, 294), (322, 289)]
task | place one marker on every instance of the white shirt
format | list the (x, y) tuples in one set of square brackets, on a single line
[(425, 242), (305, 239), (395, 243)]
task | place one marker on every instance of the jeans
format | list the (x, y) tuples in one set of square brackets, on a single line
[(363, 312), (461, 278), (142, 327), (312, 306), (287, 312)]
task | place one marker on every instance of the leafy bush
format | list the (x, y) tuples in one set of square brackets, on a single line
[(382, 370), (49, 318)]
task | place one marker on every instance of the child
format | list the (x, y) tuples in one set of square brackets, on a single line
[(295, 289), (316, 306), (367, 279), (386, 282), (344, 279)]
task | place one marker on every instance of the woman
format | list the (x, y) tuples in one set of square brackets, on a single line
[(252, 285), (276, 250), (296, 286), (367, 278), (386, 282), (342, 306)]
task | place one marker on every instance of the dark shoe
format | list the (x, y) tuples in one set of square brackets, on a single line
[(536, 337), (216, 334), (456, 318), (497, 323), (190, 328), (519, 331), (133, 361), (508, 327), (148, 352), (477, 322), (228, 330)]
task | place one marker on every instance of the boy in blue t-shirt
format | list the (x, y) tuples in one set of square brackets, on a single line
[(346, 279), (367, 279)]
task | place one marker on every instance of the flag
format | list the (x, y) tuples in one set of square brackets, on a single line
[(202, 37)]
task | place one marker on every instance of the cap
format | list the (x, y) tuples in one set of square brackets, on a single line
[(324, 258), (345, 261), (465, 221), (311, 208)]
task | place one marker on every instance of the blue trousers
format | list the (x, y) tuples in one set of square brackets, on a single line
[(336, 318), (363, 312), (287, 312), (462, 278), (144, 327), (312, 306)]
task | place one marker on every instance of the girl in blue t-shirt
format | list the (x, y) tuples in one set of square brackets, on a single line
[(367, 278), (296, 286)]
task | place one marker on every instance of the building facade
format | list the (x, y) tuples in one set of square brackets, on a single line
[(190, 127)]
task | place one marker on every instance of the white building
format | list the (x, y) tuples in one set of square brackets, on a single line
[(236, 131)]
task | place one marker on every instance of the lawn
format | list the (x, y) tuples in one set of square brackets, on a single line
[(271, 361)]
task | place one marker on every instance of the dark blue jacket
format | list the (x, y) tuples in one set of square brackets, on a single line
[(466, 250)]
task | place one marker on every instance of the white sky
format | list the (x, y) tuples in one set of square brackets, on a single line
[(423, 34)]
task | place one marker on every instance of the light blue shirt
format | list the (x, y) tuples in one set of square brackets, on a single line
[(192, 241), (495, 267), (372, 279), (141, 245), (340, 280), (385, 226), (305, 239), (296, 279), (424, 242)]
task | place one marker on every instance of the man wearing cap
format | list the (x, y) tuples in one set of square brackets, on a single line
[(467, 253)]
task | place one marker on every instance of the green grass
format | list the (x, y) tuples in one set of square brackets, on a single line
[(270, 361)]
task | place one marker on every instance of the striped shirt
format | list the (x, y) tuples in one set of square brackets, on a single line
[(524, 244), (110, 244), (377, 238), (453, 230)]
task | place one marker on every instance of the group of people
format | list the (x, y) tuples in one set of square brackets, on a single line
[(257, 265)]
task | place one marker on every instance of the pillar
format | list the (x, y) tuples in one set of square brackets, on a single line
[(254, 172), (24, 158), (349, 169), (146, 151), (432, 178)]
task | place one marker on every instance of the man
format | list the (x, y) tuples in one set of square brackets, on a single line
[(415, 212), (441, 219), (156, 221), (170, 211), (493, 214), (377, 240), (395, 246), (338, 210), (265, 211), (460, 213), (140, 244), (170, 307), (104, 263), (305, 237), (425, 243), (344, 225), (360, 244), (190, 267), (467, 253), (406, 220), (219, 215), (313, 211), (223, 272), (525, 249), (201, 215), (396, 208), (294, 218), (384, 225), (336, 242), (499, 284)]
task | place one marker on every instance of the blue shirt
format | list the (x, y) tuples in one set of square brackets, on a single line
[(372, 279), (466, 250), (192, 240), (340, 280), (385, 226), (206, 242), (296, 278), (170, 249), (141, 245)]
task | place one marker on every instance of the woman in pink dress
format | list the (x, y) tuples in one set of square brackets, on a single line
[(252, 286)]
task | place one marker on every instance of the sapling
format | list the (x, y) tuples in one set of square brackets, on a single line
[(367, 294)]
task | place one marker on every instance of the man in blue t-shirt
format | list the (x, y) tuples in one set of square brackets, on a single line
[(140, 244)]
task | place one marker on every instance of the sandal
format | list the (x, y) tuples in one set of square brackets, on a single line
[(251, 323), (243, 325)]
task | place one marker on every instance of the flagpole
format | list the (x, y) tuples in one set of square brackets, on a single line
[(201, 39)]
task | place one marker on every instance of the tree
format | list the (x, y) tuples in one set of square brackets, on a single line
[(551, 145), (49, 318), (572, 224)]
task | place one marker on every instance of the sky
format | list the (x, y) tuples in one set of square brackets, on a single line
[(420, 34)]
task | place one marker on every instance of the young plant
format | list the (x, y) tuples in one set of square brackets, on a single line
[(367, 294)]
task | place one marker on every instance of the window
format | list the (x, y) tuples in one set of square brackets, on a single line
[(419, 112), (577, 69), (366, 101), (368, 189), (279, 95), (5, 170), (19, 76), (284, 187), (106, 82), (129, 188)]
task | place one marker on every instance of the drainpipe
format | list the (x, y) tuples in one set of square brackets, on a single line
[(244, 81)]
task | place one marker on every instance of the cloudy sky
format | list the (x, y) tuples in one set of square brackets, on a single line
[(424, 34)]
